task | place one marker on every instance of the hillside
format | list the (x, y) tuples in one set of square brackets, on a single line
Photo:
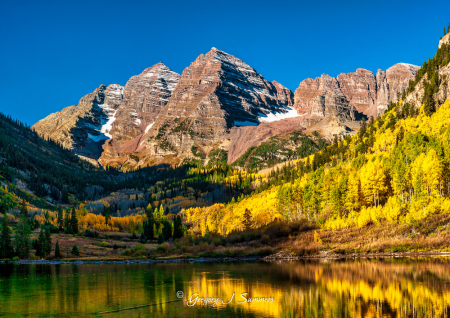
[(394, 173), (281, 148)]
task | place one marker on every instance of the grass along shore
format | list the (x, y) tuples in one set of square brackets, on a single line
[(298, 239)]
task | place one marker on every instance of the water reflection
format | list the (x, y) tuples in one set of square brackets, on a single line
[(351, 288)]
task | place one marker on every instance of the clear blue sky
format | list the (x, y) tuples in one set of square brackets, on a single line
[(54, 52)]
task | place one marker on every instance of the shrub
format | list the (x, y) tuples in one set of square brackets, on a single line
[(300, 249), (93, 234), (278, 229), (265, 239), (51, 228), (104, 244), (162, 248), (127, 252), (75, 251)]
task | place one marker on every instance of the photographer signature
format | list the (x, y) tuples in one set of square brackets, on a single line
[(204, 301)]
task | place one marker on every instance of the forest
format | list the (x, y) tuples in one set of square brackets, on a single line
[(393, 174)]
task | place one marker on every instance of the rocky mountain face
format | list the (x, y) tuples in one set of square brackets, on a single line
[(218, 101), (84, 127), (285, 95), (360, 91), (215, 93), (144, 96), (111, 116)]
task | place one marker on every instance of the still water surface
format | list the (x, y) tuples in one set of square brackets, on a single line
[(351, 288)]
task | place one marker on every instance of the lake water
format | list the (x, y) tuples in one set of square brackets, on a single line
[(405, 287)]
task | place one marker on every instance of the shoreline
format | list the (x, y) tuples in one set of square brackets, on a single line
[(281, 256)]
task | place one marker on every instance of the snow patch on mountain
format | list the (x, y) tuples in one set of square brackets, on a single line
[(106, 128), (275, 116)]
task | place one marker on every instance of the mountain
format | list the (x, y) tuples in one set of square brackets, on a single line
[(144, 96), (218, 102), (83, 128), (215, 93), (113, 112), (361, 91)]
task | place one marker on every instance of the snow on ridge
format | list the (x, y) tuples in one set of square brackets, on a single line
[(106, 128), (275, 116)]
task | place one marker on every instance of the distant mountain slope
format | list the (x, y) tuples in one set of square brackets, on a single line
[(84, 128), (368, 94), (36, 165)]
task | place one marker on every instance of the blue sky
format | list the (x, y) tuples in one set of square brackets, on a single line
[(54, 52)]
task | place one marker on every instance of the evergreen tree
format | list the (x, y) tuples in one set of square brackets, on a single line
[(247, 222), (75, 251), (67, 226), (177, 228), (44, 243), (160, 238), (22, 240), (148, 226), (39, 245), (47, 247), (6, 247), (167, 230), (74, 222), (57, 250)]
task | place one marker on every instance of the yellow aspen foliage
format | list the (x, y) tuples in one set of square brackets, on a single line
[(354, 195), (373, 181)]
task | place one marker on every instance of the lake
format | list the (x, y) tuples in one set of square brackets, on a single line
[(392, 287)]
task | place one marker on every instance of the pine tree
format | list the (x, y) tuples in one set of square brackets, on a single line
[(67, 226), (177, 228), (167, 230), (47, 247), (160, 238), (247, 222), (148, 226), (74, 222), (6, 247), (22, 240), (57, 250), (43, 244)]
